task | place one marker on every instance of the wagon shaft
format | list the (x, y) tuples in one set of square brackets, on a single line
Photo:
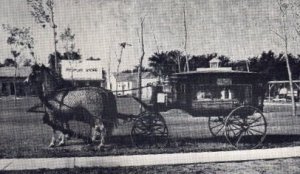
[(127, 117)]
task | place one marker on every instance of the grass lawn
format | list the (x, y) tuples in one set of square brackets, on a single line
[(23, 134)]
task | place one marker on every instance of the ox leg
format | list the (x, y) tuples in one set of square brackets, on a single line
[(62, 140), (103, 135), (68, 128), (62, 136), (99, 127)]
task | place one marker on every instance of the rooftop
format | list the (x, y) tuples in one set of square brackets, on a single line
[(214, 71), (10, 71), (133, 76)]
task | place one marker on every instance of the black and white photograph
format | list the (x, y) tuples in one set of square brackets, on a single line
[(150, 86)]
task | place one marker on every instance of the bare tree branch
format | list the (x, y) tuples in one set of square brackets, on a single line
[(185, 38), (141, 59)]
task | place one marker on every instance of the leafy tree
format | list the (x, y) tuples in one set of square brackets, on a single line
[(136, 68), (43, 13), (20, 40), (162, 64), (265, 64), (202, 61), (166, 63), (9, 62), (92, 58), (179, 59), (27, 62), (70, 56), (54, 56), (68, 38), (274, 66), (198, 62), (225, 61)]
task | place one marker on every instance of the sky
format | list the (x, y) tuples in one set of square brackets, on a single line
[(235, 28)]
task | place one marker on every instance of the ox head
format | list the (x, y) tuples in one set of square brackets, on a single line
[(36, 75)]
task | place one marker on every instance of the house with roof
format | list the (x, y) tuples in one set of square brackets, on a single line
[(7, 76), (126, 84)]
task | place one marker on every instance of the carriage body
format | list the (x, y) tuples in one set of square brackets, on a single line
[(214, 92), (232, 101)]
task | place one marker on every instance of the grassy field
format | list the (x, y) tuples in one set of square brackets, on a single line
[(23, 134)]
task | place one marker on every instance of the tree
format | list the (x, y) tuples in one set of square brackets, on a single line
[(43, 13), (92, 58), (185, 38), (123, 46), (201, 61), (179, 59), (141, 59), (68, 38), (27, 62), (9, 62), (20, 40), (75, 55), (284, 8), (54, 56), (162, 64), (136, 69)]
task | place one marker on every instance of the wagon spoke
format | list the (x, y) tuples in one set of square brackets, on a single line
[(257, 131), (221, 124), (250, 132), (232, 130), (237, 119), (216, 125), (219, 130), (239, 138), (256, 120), (235, 126), (261, 124)]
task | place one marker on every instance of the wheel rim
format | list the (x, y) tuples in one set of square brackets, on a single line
[(245, 127), (216, 125), (149, 130)]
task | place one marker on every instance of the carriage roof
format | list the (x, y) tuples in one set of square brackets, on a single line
[(214, 73)]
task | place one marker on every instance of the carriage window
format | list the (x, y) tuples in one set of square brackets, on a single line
[(242, 93)]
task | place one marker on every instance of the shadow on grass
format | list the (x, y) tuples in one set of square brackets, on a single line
[(277, 138), (122, 145)]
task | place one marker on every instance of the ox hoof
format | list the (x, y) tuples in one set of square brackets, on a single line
[(101, 148), (51, 145), (67, 136), (61, 144)]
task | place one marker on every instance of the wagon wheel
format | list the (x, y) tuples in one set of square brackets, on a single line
[(149, 130), (245, 127), (216, 125)]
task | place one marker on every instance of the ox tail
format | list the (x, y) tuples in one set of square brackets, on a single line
[(110, 111)]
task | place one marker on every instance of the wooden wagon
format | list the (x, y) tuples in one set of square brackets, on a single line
[(232, 101)]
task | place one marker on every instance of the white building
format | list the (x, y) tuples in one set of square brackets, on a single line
[(83, 72), (127, 84)]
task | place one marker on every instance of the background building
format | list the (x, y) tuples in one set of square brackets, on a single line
[(83, 73), (125, 82), (7, 81)]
